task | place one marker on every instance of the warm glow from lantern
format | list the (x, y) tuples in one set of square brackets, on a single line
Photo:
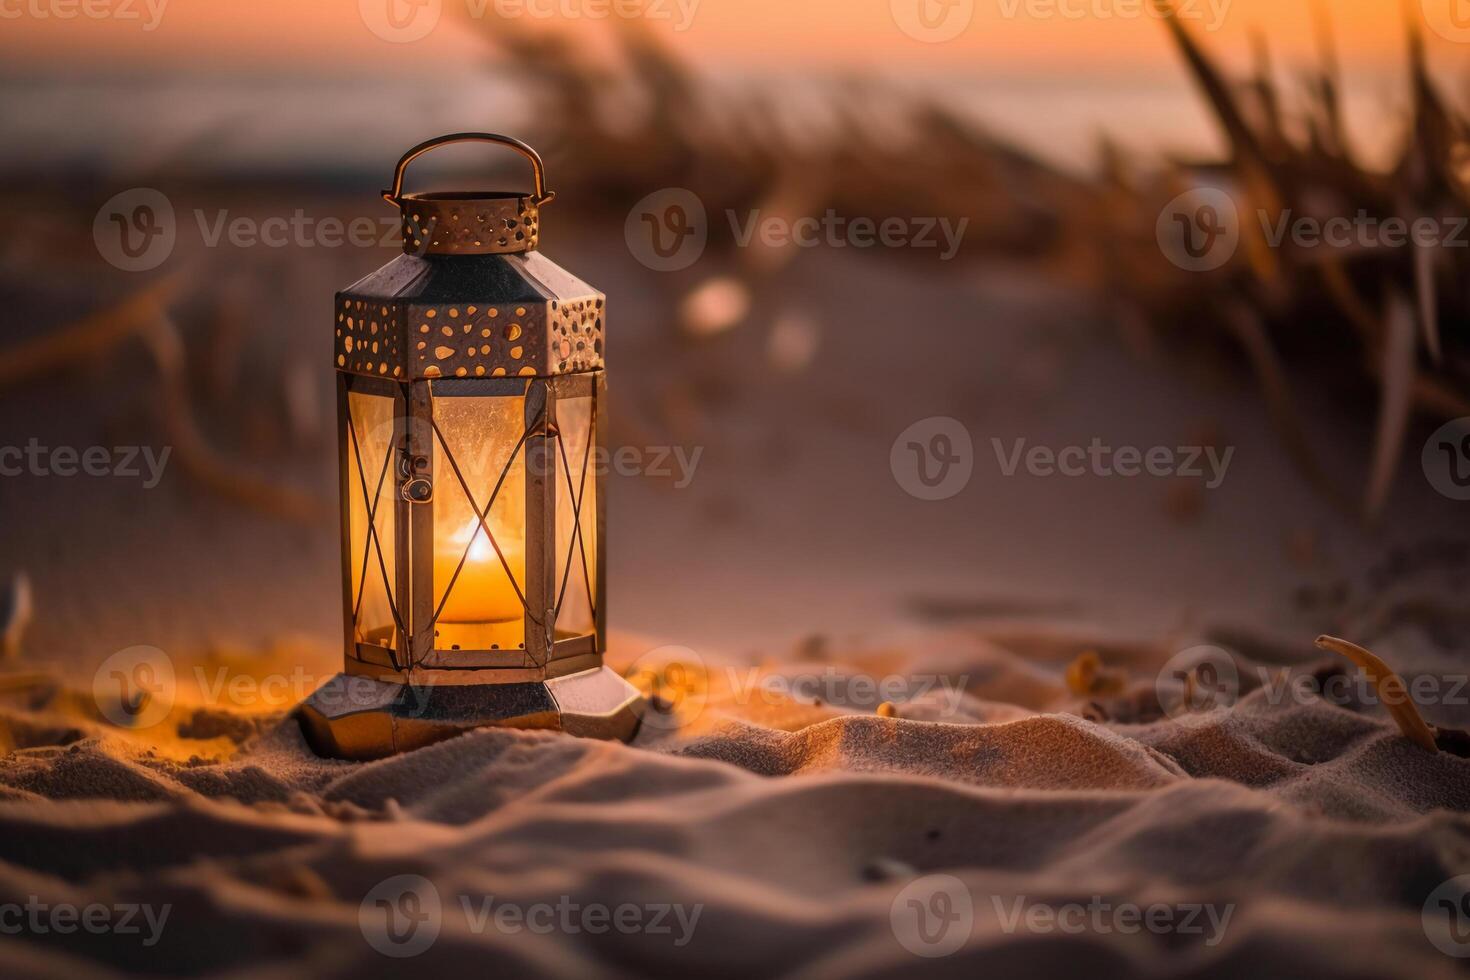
[(483, 592)]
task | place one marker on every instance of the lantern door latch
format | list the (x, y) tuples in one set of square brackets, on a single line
[(418, 487)]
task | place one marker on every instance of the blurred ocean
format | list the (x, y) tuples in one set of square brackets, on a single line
[(229, 126)]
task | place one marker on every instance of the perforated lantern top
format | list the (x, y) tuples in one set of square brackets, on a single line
[(470, 297), (470, 222)]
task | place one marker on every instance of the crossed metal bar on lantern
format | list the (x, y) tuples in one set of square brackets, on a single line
[(481, 518), (374, 545)]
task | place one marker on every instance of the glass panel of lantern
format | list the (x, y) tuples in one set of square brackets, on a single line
[(370, 489), (480, 516), (576, 515)]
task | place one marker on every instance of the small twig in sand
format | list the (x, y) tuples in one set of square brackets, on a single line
[(1391, 691), (1086, 676)]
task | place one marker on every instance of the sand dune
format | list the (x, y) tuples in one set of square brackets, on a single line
[(1320, 828)]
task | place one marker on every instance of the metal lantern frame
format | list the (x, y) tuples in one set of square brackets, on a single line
[(471, 310), (421, 452)]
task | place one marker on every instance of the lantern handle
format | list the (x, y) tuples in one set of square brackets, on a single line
[(538, 169)]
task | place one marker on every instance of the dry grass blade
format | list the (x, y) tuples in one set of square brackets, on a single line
[(1391, 691), (17, 607), (1243, 139), (1322, 306), (1395, 401), (1276, 388), (1329, 102), (1424, 261)]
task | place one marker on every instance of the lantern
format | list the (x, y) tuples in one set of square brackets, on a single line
[(471, 408)]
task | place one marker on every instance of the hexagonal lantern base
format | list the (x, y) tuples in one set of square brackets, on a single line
[(361, 718)]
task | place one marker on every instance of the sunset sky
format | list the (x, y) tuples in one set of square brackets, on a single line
[(292, 76), (1009, 36)]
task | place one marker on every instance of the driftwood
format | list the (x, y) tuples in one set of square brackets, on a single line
[(142, 316)]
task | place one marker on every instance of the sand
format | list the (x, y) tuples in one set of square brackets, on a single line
[(798, 827), (793, 827)]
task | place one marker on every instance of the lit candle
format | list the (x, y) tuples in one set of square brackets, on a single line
[(483, 593)]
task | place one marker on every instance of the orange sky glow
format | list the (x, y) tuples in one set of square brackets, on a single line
[(1070, 37)]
